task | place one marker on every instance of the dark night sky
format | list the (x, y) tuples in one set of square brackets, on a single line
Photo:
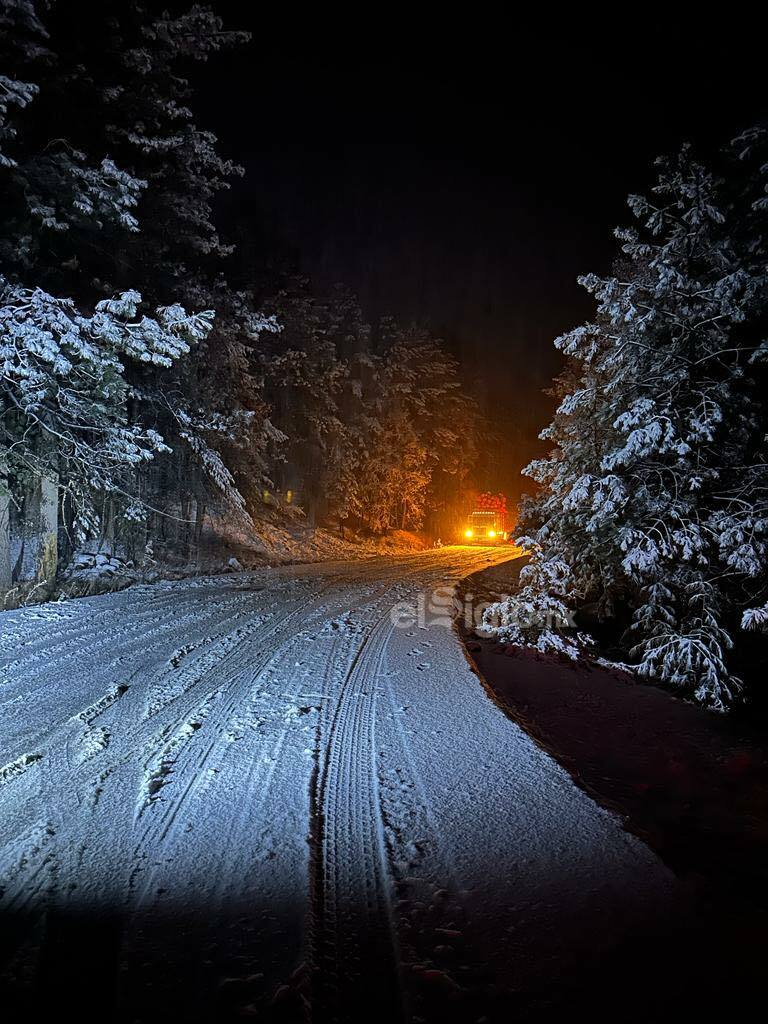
[(468, 188)]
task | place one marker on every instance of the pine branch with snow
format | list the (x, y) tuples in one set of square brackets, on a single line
[(63, 388)]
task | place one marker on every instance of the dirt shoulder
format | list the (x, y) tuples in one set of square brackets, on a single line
[(692, 784)]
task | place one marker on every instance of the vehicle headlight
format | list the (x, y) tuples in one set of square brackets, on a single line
[(469, 533), (491, 533)]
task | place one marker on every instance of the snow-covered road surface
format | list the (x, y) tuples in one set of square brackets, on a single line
[(259, 794)]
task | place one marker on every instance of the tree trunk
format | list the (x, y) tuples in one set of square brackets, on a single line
[(38, 559), (197, 531), (48, 552), (6, 580)]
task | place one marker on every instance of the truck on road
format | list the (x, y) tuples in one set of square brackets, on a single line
[(487, 522)]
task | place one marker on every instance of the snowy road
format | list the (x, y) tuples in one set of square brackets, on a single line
[(259, 794)]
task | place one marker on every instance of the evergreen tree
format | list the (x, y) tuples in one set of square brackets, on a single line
[(643, 497), (424, 429), (112, 190), (74, 399), (109, 216), (64, 397)]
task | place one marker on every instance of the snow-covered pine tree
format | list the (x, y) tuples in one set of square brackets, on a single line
[(64, 396), (643, 498), (110, 192), (423, 429), (60, 200), (741, 519), (24, 37), (309, 384), (69, 416), (568, 527), (113, 191), (114, 144), (372, 422), (213, 410)]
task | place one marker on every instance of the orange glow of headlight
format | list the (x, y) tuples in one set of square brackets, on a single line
[(491, 533), (469, 533)]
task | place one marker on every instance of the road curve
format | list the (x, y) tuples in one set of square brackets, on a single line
[(284, 793)]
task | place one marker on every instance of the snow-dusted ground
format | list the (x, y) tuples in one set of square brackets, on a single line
[(250, 792)]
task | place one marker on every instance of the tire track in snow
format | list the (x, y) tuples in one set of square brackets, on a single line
[(191, 764), (354, 943), (79, 748), (17, 767), (65, 631), (72, 830), (134, 732), (23, 861), (80, 725), (92, 812), (128, 639), (165, 682), (189, 664), (157, 774), (431, 911), (82, 744), (255, 871), (257, 785), (355, 933)]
